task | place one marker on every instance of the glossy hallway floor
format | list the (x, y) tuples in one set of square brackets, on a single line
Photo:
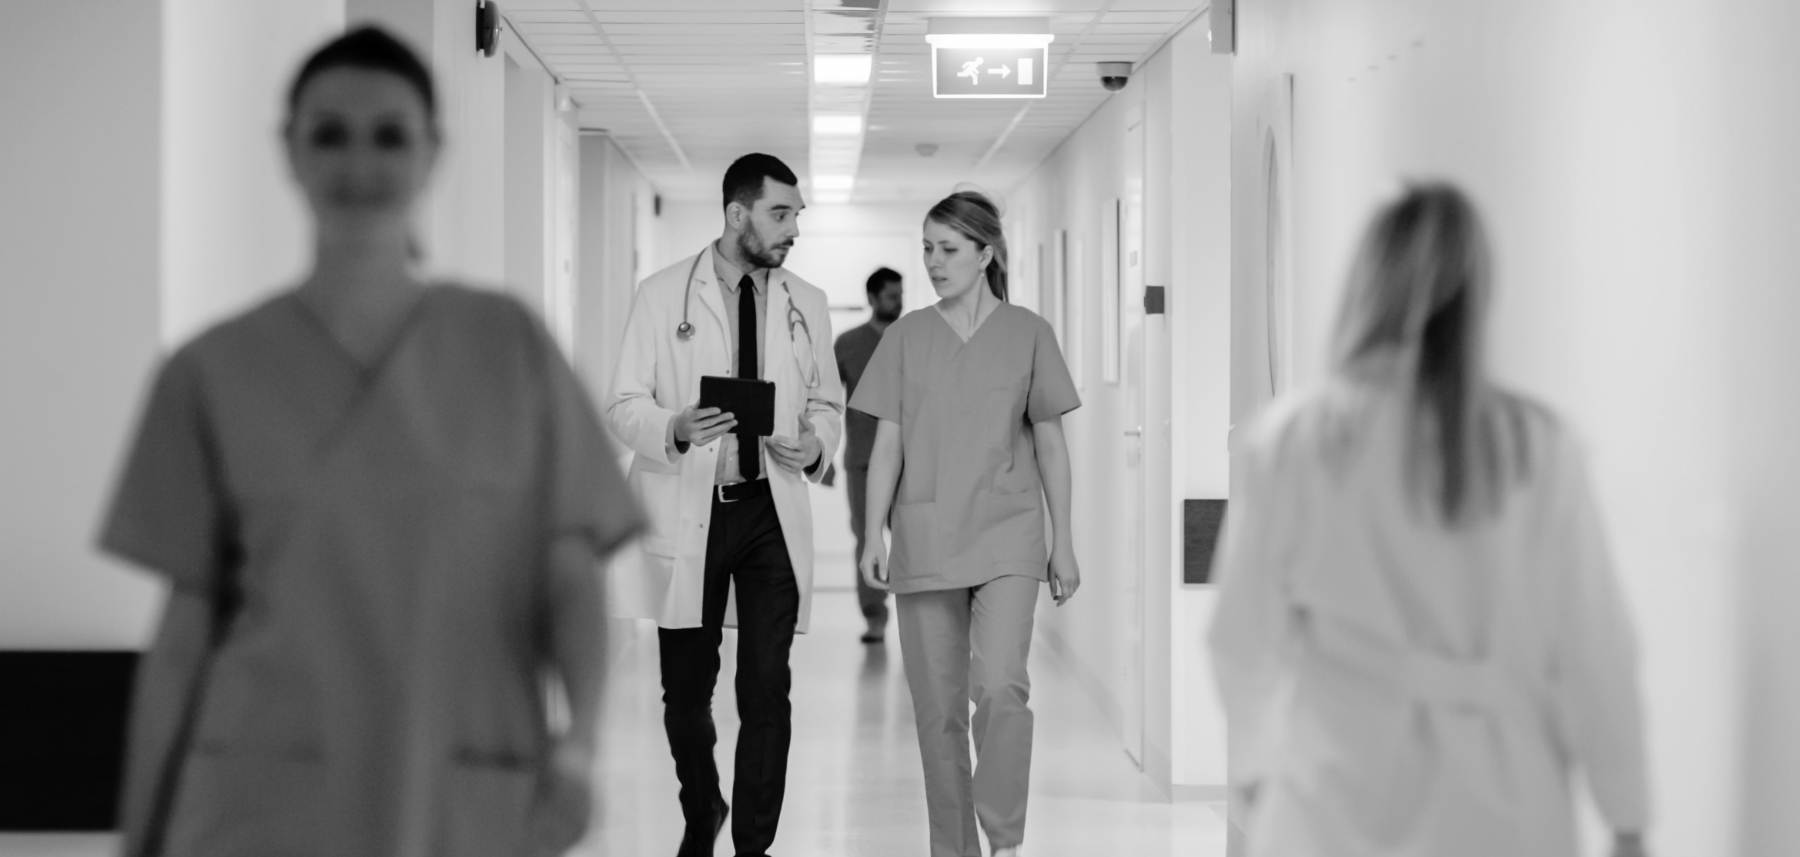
[(854, 783)]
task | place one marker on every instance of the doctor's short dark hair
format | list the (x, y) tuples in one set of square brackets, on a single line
[(372, 48), (744, 178), (880, 278)]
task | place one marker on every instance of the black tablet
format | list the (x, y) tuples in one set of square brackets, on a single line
[(750, 400)]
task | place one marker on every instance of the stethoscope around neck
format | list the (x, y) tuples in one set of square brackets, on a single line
[(808, 365), (685, 331)]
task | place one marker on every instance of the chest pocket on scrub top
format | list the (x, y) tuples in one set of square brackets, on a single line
[(1010, 457)]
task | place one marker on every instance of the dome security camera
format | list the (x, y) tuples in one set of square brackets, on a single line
[(1113, 75)]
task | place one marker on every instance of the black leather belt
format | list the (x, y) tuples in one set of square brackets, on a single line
[(741, 490)]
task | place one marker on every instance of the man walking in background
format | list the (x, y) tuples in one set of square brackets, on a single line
[(854, 349)]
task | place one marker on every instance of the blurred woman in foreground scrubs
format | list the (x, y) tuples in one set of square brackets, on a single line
[(1419, 636), (379, 503)]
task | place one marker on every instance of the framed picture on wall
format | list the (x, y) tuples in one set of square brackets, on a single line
[(1109, 292), (1018, 268), (1073, 304), (1271, 313)]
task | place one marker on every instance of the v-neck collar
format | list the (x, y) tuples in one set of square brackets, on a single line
[(401, 333), (982, 325)]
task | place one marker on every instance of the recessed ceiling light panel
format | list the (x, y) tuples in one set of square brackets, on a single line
[(849, 124), (842, 69)]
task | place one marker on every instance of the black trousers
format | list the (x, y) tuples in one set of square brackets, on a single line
[(745, 546)]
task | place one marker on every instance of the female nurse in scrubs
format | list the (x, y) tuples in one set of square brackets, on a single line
[(970, 395), (1419, 638), (379, 503)]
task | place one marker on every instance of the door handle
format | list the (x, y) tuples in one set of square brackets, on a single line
[(1135, 432)]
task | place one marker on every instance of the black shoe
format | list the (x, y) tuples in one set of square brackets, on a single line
[(696, 843)]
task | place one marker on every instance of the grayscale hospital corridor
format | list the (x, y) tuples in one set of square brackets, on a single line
[(899, 428)]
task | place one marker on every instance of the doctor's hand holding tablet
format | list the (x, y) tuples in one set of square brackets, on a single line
[(700, 426)]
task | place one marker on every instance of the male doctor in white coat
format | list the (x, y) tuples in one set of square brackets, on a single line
[(730, 536)]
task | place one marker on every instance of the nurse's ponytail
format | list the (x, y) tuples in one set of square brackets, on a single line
[(973, 215)]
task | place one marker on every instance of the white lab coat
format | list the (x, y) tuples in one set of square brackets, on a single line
[(1396, 689), (658, 375)]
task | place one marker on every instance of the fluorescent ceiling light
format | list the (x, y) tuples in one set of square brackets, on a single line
[(848, 123), (833, 182), (842, 69), (990, 40)]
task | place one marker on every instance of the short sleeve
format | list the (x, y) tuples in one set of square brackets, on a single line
[(1052, 392), (588, 494), (878, 391), (169, 513)]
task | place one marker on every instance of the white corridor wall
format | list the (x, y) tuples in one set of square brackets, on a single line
[(79, 202), (1182, 96)]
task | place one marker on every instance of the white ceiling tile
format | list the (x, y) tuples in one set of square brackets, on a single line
[(748, 32), (699, 8), (528, 17), (726, 16), (1166, 18), (1182, 6)]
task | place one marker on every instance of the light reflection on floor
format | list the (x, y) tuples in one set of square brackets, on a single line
[(854, 784)]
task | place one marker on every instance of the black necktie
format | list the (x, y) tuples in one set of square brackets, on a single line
[(749, 462)]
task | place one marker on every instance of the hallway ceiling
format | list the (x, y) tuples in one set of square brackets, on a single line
[(685, 86)]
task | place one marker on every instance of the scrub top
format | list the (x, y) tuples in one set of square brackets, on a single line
[(384, 533), (970, 504)]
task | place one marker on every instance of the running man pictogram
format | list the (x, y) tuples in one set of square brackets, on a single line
[(972, 70)]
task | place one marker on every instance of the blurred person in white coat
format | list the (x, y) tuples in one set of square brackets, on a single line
[(1419, 637), (730, 538)]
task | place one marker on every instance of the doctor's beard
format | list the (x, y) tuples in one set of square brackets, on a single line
[(753, 247)]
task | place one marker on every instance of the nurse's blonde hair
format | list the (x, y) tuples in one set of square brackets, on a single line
[(974, 216), (1419, 289)]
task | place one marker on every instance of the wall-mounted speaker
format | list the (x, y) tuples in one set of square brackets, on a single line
[(1201, 521), (487, 27)]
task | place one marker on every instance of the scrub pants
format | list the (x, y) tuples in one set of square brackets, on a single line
[(873, 601), (962, 646)]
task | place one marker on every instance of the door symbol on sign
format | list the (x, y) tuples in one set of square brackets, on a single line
[(971, 70)]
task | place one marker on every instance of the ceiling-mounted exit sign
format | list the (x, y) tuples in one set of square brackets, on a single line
[(989, 57), (989, 72)]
